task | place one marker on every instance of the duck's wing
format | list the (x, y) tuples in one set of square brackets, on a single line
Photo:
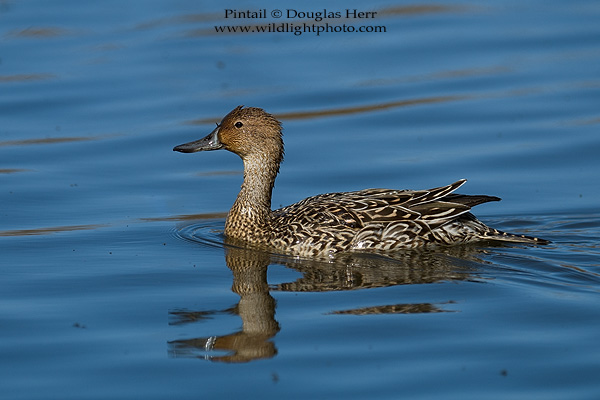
[(434, 206), (385, 219), (381, 206)]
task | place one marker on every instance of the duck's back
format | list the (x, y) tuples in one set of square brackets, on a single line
[(380, 219)]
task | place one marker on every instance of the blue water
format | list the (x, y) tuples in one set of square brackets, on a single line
[(115, 280)]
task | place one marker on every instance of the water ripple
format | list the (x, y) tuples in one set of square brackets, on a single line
[(207, 233), (320, 113), (49, 230)]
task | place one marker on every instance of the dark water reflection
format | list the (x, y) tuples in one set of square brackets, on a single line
[(256, 306)]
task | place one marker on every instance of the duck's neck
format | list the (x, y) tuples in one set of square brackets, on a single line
[(249, 215)]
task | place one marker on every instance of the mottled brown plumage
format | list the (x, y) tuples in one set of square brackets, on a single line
[(366, 220)]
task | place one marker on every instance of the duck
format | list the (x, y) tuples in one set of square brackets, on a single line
[(369, 220)]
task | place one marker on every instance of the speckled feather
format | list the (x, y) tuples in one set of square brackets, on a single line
[(326, 224), (382, 220)]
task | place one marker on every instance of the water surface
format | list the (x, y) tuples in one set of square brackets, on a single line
[(115, 279)]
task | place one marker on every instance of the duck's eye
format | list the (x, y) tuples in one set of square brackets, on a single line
[(238, 124)]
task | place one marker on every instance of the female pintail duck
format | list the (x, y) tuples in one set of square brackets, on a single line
[(366, 220)]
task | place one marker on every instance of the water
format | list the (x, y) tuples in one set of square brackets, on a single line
[(115, 280)]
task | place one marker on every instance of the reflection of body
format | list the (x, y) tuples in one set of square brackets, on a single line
[(367, 220), (256, 307)]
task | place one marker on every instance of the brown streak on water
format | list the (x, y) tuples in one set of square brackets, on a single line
[(53, 140), (25, 77), (49, 230), (295, 115), (186, 217)]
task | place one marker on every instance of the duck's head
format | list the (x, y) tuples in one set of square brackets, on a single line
[(246, 132)]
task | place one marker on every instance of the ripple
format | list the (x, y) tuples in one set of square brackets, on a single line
[(55, 140), (337, 111), (25, 77), (39, 32), (12, 170), (207, 233), (50, 230)]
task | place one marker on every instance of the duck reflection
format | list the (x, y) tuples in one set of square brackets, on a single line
[(256, 306), (256, 309)]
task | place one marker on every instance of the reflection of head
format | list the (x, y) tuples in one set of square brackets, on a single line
[(256, 308)]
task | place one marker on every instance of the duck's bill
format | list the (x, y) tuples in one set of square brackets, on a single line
[(210, 142)]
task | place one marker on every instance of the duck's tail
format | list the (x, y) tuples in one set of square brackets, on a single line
[(497, 235), (480, 231)]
